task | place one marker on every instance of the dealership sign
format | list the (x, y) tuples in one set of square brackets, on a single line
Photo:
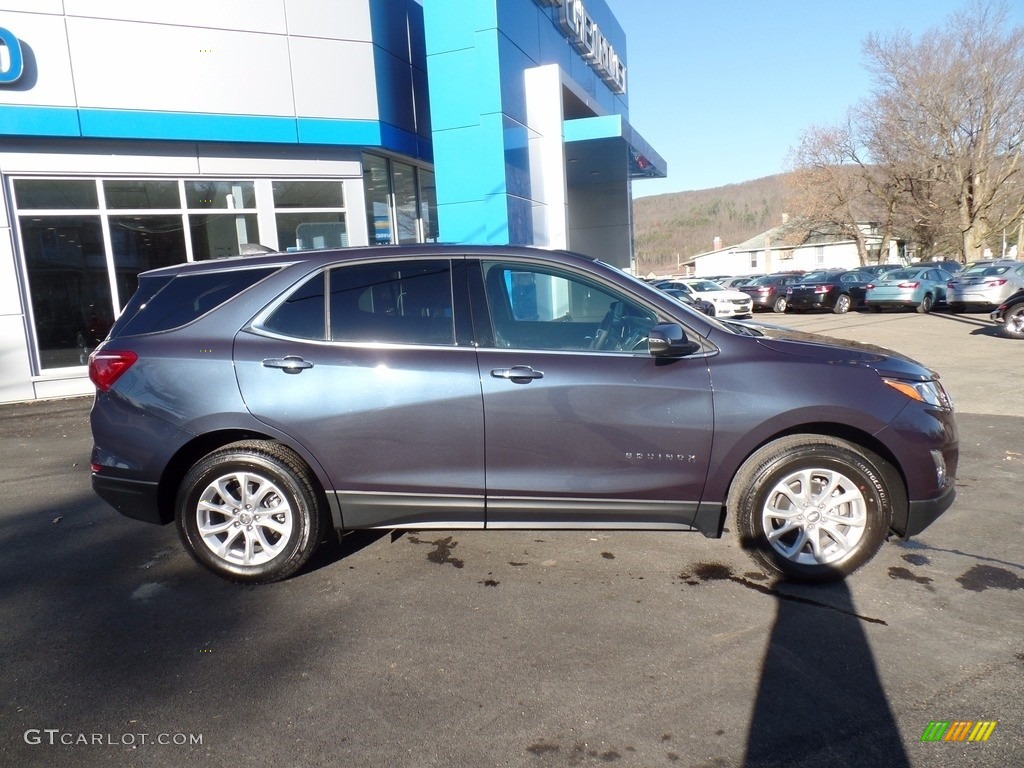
[(590, 41), (12, 63)]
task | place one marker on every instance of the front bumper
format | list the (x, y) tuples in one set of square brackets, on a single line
[(921, 514)]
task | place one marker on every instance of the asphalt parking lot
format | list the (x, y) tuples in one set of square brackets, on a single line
[(517, 648)]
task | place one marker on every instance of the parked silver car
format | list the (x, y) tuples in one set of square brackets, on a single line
[(919, 288), (985, 286)]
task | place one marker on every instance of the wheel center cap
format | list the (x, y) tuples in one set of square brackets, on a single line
[(813, 517), (245, 518)]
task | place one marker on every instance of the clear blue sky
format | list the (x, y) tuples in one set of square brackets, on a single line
[(722, 89)]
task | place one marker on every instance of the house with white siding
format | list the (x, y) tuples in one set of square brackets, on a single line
[(789, 247)]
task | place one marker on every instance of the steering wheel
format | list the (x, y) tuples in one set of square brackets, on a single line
[(610, 328)]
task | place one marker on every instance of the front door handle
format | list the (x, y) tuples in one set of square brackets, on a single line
[(520, 374), (289, 364)]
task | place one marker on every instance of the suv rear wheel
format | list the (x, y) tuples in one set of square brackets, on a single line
[(249, 512), (813, 508)]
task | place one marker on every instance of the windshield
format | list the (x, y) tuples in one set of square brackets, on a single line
[(705, 285), (817, 277), (985, 271), (902, 274)]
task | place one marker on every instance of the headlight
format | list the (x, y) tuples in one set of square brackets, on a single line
[(930, 392)]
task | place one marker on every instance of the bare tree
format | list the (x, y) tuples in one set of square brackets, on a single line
[(950, 107), (827, 187), (839, 179)]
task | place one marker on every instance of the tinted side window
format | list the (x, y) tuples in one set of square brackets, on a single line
[(303, 314), (182, 299), (408, 302)]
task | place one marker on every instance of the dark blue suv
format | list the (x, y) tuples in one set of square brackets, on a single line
[(262, 402)]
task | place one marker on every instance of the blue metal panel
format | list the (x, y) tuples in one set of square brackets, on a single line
[(314, 130), (607, 126), (517, 157), (520, 220), (522, 28), (453, 89), (450, 25), (469, 164), (394, 90), (39, 121), (513, 62), (110, 124), (388, 26), (129, 124), (464, 222)]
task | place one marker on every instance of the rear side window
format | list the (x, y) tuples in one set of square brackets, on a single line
[(407, 302), (163, 303), (403, 302)]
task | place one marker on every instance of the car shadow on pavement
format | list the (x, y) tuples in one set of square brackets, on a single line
[(820, 700), (336, 548), (981, 319)]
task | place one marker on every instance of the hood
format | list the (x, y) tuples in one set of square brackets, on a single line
[(834, 351)]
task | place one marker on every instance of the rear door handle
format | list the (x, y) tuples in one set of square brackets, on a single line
[(289, 364), (517, 373)]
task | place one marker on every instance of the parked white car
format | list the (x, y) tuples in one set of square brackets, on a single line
[(727, 302)]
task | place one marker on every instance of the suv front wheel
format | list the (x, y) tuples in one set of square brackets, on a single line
[(249, 513), (813, 508)]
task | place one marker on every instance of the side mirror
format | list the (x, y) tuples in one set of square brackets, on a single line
[(669, 340)]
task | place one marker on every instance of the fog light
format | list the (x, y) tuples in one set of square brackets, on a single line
[(940, 468)]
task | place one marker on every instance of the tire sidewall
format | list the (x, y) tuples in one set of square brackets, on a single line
[(766, 474), (1012, 313), (226, 461)]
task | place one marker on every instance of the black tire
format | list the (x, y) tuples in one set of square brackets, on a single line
[(926, 304), (847, 534), (276, 532), (1013, 323), (842, 304), (779, 305)]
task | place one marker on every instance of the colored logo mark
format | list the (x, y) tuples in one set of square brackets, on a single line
[(959, 730), (15, 65)]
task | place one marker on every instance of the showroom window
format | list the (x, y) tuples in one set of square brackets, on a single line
[(309, 215), (85, 241), (221, 217), (401, 202)]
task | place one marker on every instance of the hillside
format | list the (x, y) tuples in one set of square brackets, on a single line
[(673, 228)]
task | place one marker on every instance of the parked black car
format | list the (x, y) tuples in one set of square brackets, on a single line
[(769, 292), (1010, 316), (838, 290), (260, 402)]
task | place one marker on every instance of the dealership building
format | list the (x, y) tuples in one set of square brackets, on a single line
[(134, 135)]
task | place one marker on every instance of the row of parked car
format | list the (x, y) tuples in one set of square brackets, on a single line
[(923, 287)]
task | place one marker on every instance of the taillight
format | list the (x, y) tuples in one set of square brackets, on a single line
[(869, 287), (1000, 281), (908, 285), (824, 288), (765, 289), (106, 366)]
